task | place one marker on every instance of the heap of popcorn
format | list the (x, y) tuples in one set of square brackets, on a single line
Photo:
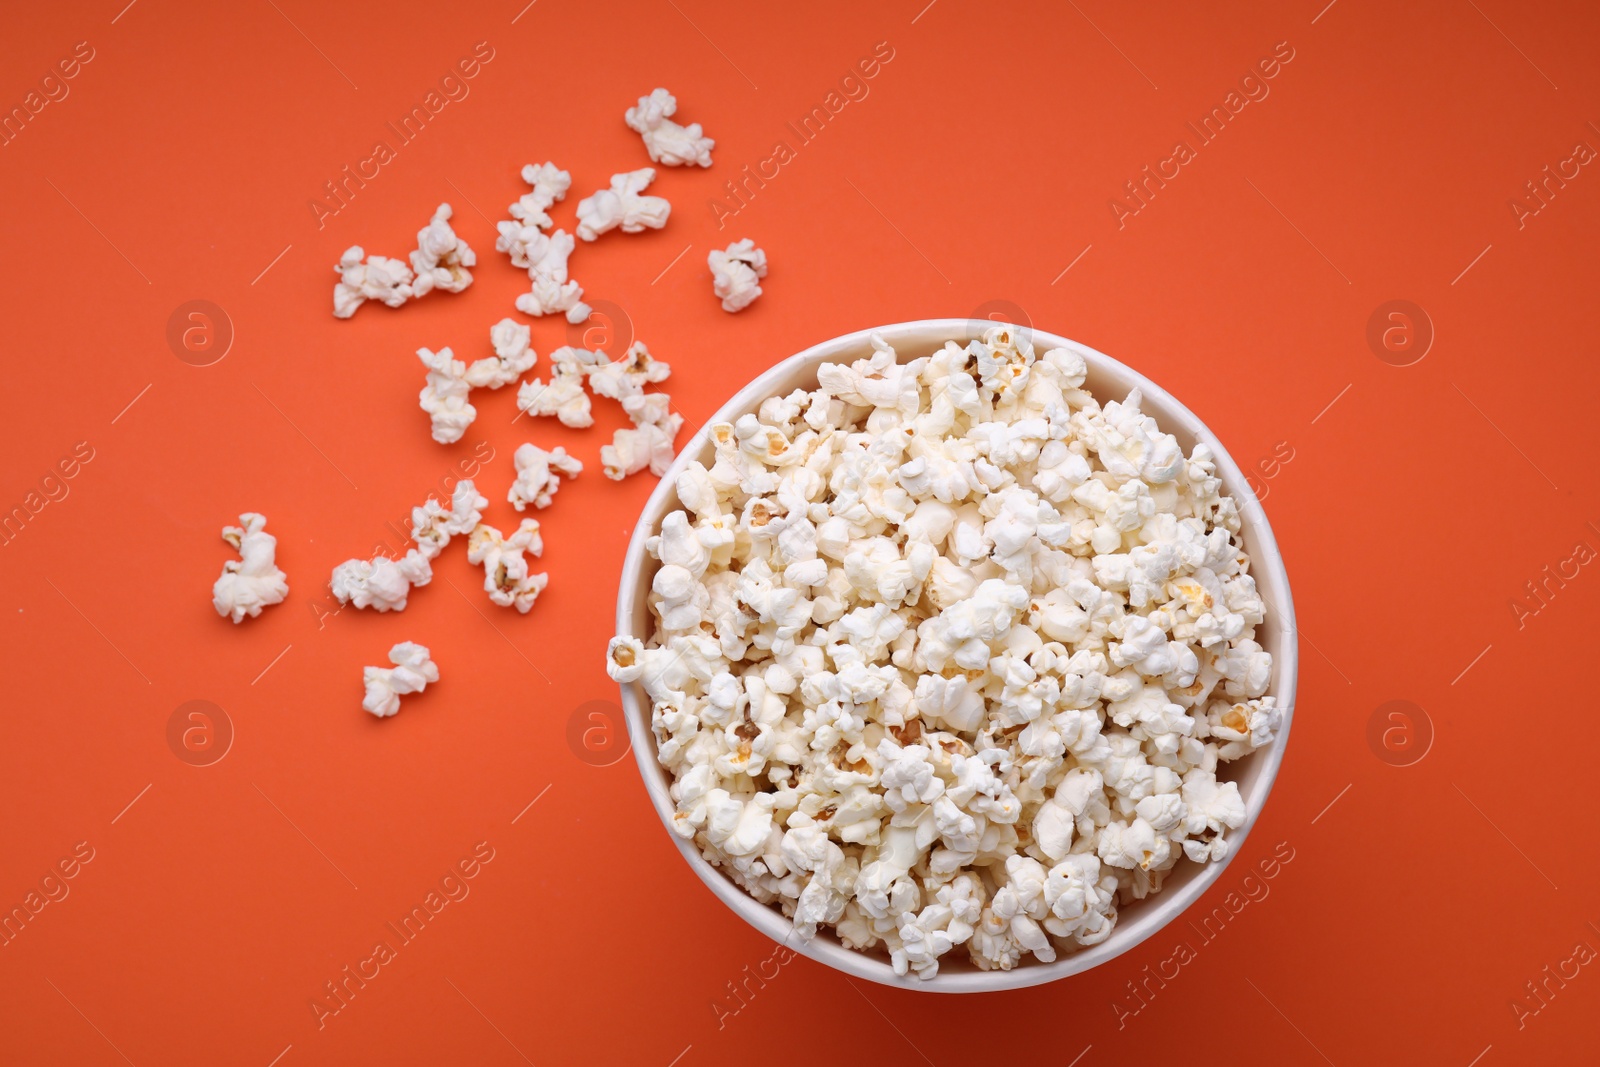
[(946, 654)]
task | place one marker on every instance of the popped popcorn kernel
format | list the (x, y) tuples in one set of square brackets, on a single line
[(441, 258), (363, 278), (253, 581), (413, 670), (736, 273), (667, 142), (539, 475), (623, 204), (505, 569)]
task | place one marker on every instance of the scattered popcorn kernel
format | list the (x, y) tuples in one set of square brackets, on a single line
[(432, 526), (550, 184), (546, 259), (667, 142), (565, 396), (628, 375), (440, 261), (736, 272), (505, 568), (543, 255), (412, 671), (382, 584), (646, 446), (450, 381), (623, 204), (444, 397), (441, 258), (253, 581), (655, 424), (511, 360), (539, 475), (363, 278)]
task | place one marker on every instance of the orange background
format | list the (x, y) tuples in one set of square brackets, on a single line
[(979, 167)]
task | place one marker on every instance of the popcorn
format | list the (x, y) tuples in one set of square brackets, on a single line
[(440, 261), (444, 397), (363, 278), (564, 396), (451, 381), (543, 255), (385, 584), (505, 569), (666, 141), (546, 260), (550, 184), (655, 424), (381, 583), (253, 581), (523, 242), (1082, 901), (511, 360), (648, 444), (412, 671), (736, 272), (441, 258), (539, 475), (623, 204), (432, 526), (1244, 727), (627, 376), (946, 655)]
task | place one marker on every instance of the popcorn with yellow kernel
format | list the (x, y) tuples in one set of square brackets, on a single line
[(253, 581)]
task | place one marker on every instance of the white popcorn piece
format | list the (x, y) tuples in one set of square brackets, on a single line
[(645, 446), (546, 259), (550, 184), (441, 258), (564, 397), (1081, 900), (363, 278), (539, 475), (655, 424), (253, 581), (946, 656), (627, 376), (1243, 727), (505, 568), (524, 242), (736, 272), (413, 670), (444, 397), (440, 261), (511, 360), (667, 142), (623, 204), (382, 583), (432, 526)]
